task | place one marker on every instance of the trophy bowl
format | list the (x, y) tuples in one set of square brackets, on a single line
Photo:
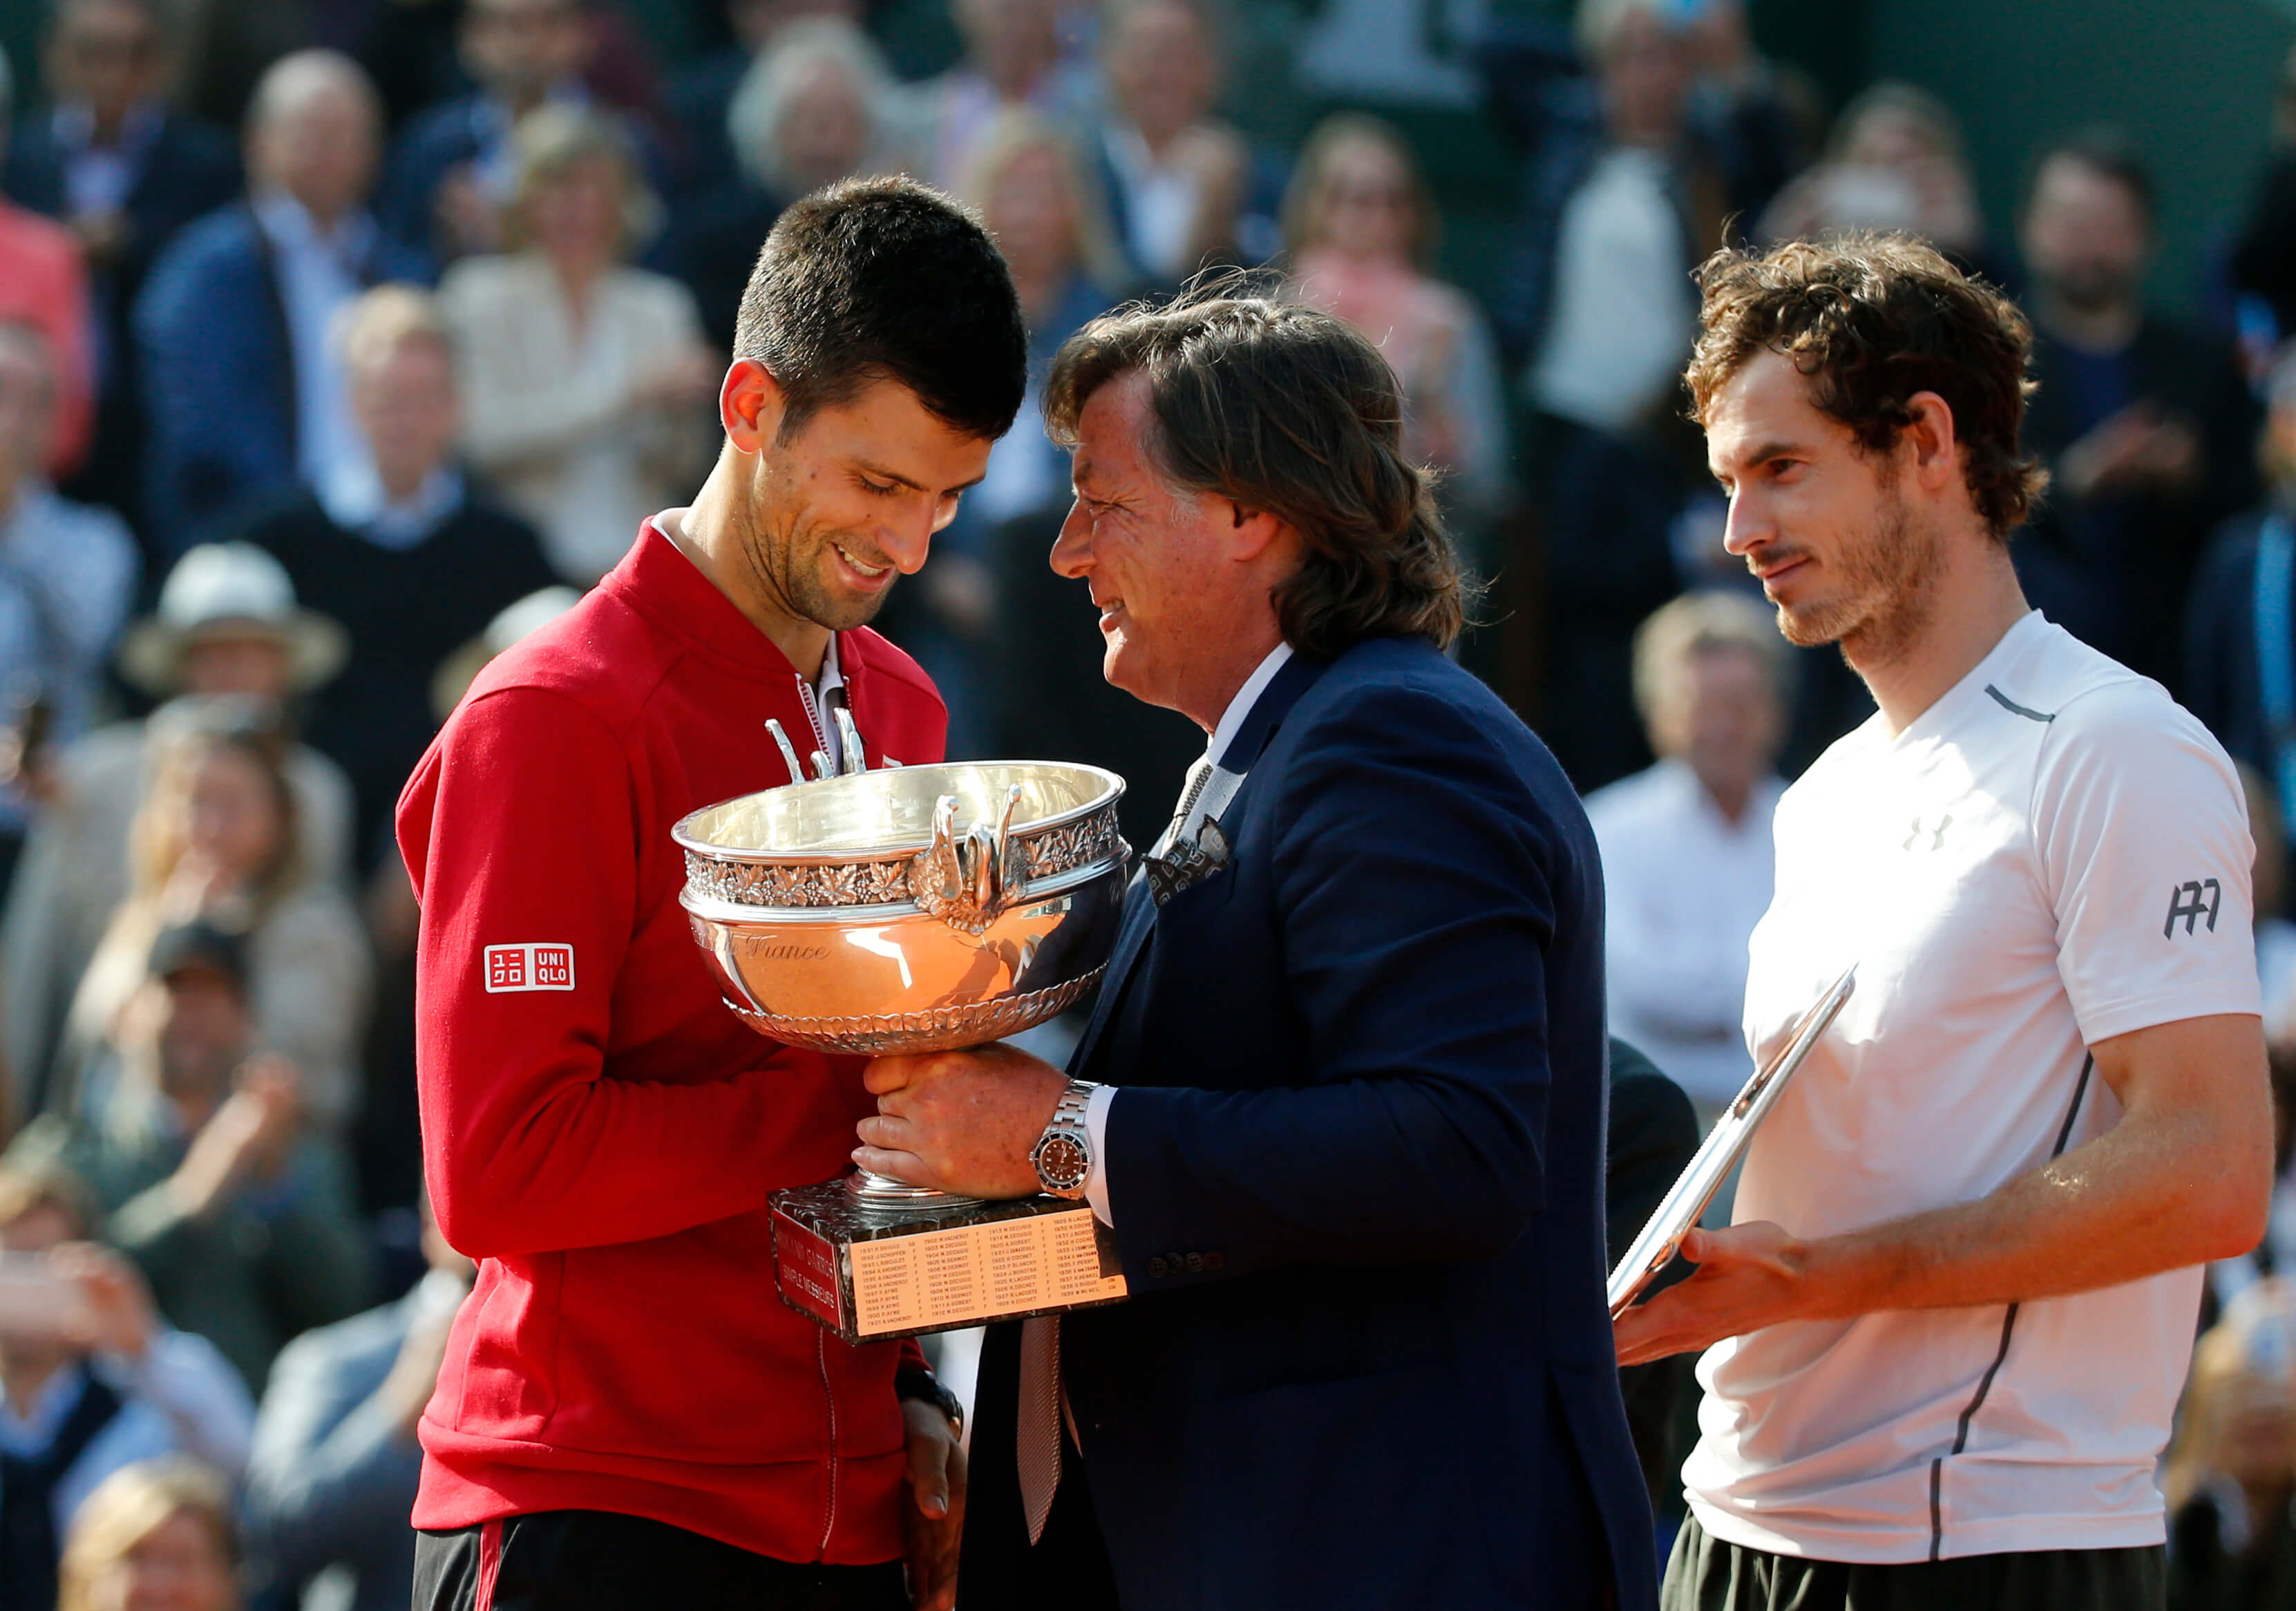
[(910, 908)]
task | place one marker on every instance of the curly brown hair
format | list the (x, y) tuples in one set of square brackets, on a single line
[(1285, 408), (1873, 319)]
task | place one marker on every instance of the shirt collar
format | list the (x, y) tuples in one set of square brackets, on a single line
[(292, 228), (45, 1419), (1239, 707), (355, 501), (73, 125)]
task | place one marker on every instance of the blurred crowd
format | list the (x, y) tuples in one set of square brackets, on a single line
[(344, 341)]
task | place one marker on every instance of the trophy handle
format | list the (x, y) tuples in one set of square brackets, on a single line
[(968, 880)]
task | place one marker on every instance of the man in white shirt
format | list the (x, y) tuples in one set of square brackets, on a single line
[(1686, 847), (1945, 1333)]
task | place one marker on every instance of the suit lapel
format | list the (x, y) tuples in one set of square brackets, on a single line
[(1297, 675)]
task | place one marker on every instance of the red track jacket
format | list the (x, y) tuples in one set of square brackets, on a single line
[(598, 1131)]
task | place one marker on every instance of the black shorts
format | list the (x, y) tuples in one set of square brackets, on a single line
[(594, 1560), (1707, 1574)]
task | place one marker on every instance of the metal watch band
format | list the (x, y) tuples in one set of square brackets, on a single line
[(1068, 1123)]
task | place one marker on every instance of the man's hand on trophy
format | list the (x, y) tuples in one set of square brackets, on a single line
[(1747, 1277), (963, 1121)]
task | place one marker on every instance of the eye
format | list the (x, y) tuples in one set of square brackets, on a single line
[(880, 489)]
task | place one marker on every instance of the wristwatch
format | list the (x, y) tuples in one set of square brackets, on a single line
[(1062, 1156), (916, 1381)]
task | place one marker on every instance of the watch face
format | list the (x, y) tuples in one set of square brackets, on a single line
[(1061, 1161)]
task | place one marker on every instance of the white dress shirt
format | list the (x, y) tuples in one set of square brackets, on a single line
[(1160, 201), (1103, 1097), (318, 278), (1682, 887), (1624, 312)]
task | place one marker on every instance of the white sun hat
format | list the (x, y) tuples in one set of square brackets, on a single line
[(230, 590)]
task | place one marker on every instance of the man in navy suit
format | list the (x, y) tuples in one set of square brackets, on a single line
[(243, 380), (1342, 1100)]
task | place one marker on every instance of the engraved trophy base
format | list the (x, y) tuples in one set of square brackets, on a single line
[(872, 1269)]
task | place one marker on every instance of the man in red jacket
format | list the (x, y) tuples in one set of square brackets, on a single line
[(629, 1416)]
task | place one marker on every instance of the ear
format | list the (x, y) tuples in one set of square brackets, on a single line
[(1933, 450), (1253, 531), (750, 406)]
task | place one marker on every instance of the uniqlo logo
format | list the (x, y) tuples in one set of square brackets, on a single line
[(529, 967)]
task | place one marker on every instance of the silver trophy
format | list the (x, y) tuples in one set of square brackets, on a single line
[(1687, 1199), (914, 910)]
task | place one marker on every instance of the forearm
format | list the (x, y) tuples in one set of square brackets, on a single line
[(2143, 1198)]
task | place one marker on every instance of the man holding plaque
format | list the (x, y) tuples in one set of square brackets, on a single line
[(1340, 1102), (1945, 1336), (628, 1414)]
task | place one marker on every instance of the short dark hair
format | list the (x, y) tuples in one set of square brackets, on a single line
[(2102, 149), (1872, 319), (886, 279), (1283, 408)]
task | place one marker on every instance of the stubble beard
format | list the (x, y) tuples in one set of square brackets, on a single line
[(787, 566), (1885, 579)]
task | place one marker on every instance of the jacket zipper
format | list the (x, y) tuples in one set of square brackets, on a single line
[(829, 1397), (813, 714)]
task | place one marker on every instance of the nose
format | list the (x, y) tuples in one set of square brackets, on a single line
[(1748, 524), (906, 541), (1072, 549)]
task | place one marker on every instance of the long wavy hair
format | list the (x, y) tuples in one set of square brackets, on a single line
[(1285, 408)]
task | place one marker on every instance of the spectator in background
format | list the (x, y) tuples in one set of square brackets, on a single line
[(1360, 225), (238, 1215), (1012, 57), (1624, 192), (92, 1378), (43, 284), (1687, 856), (156, 1533), (335, 1463), (699, 96), (124, 171), (67, 574), (2229, 1475), (2263, 254), (2240, 621), (244, 392), (2146, 425), (215, 841), (408, 562), (227, 628), (1176, 176), (817, 105), (587, 386), (454, 168), (1895, 163)]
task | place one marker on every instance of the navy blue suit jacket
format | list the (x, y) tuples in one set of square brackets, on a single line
[(1356, 1169), (219, 372)]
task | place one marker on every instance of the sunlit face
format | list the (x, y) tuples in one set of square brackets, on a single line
[(321, 148), (1891, 137), (576, 215), (1161, 67), (1152, 555), (235, 662), (1821, 522), (108, 54), (2085, 234), (1721, 714), (852, 501), (824, 131), (179, 1565), (1369, 209), (1031, 213), (404, 400), (226, 812)]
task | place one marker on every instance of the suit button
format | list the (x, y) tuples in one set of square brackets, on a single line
[(1157, 1267), (1213, 1261), (1195, 1263)]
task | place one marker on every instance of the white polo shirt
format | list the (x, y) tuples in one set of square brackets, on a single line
[(2053, 854)]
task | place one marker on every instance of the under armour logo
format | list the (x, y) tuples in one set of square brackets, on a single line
[(2193, 900), (1937, 834)]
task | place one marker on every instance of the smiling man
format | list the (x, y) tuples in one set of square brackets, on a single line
[(627, 1415), (1946, 1336), (1342, 1100)]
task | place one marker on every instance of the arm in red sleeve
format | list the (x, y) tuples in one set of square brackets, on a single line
[(521, 829)]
